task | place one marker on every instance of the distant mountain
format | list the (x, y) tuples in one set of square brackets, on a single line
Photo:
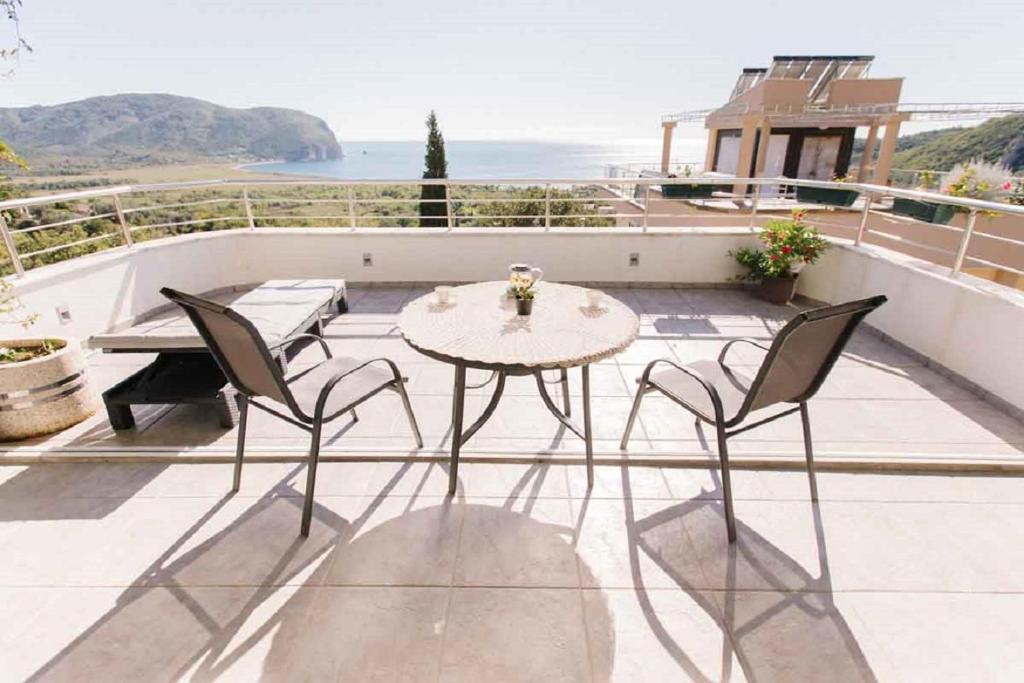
[(152, 128), (997, 140)]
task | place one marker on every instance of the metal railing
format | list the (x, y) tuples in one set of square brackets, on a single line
[(122, 216)]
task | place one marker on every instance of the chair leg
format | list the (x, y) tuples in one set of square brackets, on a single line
[(809, 451), (243, 414), (641, 390), (723, 457), (314, 457), (400, 387)]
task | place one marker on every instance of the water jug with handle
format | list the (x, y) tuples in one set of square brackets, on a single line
[(524, 275)]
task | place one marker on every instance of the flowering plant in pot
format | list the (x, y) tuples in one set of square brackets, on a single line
[(789, 245), (43, 385), (978, 179), (524, 299), (1016, 190)]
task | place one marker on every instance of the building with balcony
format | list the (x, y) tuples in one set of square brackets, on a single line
[(797, 119)]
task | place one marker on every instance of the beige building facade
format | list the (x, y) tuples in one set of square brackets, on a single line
[(798, 119)]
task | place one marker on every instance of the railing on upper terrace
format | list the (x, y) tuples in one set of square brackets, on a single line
[(41, 230)]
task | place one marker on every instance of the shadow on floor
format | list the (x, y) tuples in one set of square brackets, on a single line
[(244, 598), (789, 630), (55, 491)]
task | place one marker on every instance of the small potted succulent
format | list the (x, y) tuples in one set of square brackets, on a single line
[(524, 299), (44, 384), (832, 196), (789, 246), (690, 191)]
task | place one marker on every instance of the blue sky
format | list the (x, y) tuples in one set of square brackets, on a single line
[(571, 70)]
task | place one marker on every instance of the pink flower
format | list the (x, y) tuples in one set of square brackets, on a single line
[(1007, 185)]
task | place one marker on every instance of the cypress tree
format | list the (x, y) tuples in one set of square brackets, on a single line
[(434, 214)]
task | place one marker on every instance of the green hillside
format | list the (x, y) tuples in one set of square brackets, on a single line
[(998, 140), (138, 129)]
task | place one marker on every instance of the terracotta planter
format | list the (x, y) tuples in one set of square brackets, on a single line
[(778, 290), (524, 306), (46, 394)]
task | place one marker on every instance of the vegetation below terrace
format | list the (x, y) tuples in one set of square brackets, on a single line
[(56, 232)]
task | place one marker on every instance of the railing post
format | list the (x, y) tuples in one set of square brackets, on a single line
[(351, 209), (248, 207), (647, 204), (19, 269), (965, 239), (125, 232), (756, 195), (863, 220), (448, 203), (547, 207)]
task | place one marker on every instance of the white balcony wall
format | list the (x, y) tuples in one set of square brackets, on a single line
[(973, 327), (970, 326), (104, 291)]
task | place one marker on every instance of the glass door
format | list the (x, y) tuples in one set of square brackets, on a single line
[(819, 157)]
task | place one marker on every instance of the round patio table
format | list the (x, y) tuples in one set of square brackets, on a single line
[(478, 328)]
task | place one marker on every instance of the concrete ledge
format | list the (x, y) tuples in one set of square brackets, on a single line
[(845, 462)]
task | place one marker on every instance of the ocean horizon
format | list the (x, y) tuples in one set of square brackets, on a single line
[(404, 159)]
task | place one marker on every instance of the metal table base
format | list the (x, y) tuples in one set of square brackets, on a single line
[(460, 436)]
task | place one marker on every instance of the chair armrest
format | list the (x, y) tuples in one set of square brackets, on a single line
[(745, 340), (297, 337), (333, 381)]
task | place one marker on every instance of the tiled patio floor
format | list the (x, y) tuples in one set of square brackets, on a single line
[(150, 572), (879, 404)]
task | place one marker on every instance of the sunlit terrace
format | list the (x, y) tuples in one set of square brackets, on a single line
[(129, 557)]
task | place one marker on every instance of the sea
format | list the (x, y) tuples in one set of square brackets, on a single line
[(483, 159)]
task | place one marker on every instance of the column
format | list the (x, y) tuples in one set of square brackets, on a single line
[(667, 129), (762, 149), (885, 152), (709, 154), (869, 152), (746, 156)]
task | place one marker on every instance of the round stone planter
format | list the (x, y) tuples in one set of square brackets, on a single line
[(46, 394)]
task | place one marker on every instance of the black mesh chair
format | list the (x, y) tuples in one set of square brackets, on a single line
[(794, 368), (313, 396)]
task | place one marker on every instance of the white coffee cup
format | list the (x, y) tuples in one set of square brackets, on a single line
[(594, 297), (443, 294)]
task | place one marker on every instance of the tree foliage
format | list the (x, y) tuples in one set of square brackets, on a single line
[(433, 209), (999, 140)]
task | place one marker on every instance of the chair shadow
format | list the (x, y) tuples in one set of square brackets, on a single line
[(241, 590), (789, 630)]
